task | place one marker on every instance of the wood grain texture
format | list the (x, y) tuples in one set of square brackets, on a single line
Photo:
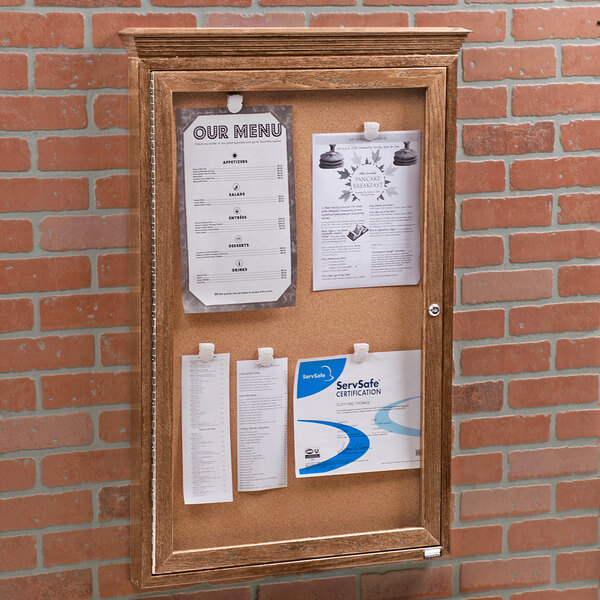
[(334, 78)]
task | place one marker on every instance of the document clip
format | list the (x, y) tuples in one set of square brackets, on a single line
[(265, 357), (360, 352), (234, 102), (371, 130), (206, 352)]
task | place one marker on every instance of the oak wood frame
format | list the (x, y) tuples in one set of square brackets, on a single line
[(178, 60)]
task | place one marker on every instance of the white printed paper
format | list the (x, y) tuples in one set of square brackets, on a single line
[(206, 438), (235, 189), (354, 417), (366, 223), (262, 425)]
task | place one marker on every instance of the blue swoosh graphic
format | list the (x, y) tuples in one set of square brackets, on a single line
[(384, 420), (358, 444)]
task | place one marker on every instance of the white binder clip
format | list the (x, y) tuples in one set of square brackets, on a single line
[(206, 352), (234, 102), (265, 357), (360, 352), (371, 130)]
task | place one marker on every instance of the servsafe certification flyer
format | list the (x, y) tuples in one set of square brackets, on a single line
[(236, 208), (366, 223), (352, 417)]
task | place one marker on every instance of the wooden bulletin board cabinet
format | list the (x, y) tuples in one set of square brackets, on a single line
[(334, 80)]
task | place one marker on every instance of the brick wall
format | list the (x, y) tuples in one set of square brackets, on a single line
[(527, 351)]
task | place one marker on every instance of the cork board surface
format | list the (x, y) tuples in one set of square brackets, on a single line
[(320, 324)]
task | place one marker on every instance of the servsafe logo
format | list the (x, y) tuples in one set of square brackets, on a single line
[(317, 375)]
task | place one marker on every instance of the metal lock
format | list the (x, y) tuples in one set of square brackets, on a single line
[(434, 310)]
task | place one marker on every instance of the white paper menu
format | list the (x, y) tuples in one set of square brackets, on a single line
[(206, 441), (366, 223), (261, 425), (235, 176)]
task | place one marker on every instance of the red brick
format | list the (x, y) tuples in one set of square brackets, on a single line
[(408, 2), (110, 110), (483, 396), (578, 353), (80, 71), (476, 251), (555, 98), (16, 235), (578, 594), (581, 60), (38, 30), (42, 274), (34, 113), (505, 2), (343, 588), (552, 23), (229, 19), (18, 553), (577, 566), (105, 26), (15, 154), (550, 391), (493, 64), (17, 394), (484, 176), (478, 324), (88, 3), (552, 533), (568, 316), (11, 2), (114, 349), (66, 585), (506, 358), (113, 270), (44, 510), (505, 502), (482, 140), (85, 467), (31, 194), (434, 582), (476, 468), (112, 192), (113, 425), (473, 541), (489, 213), (555, 245), (579, 208), (375, 19), (16, 315), (82, 153), (50, 431), (485, 26), (48, 352), (579, 280), (60, 233), (113, 503), (84, 389), (580, 135), (228, 3), (552, 462), (305, 3), (13, 71), (68, 547), (503, 431), (113, 580), (17, 474), (83, 311), (482, 103), (504, 286), (573, 495), (578, 424), (512, 572)]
